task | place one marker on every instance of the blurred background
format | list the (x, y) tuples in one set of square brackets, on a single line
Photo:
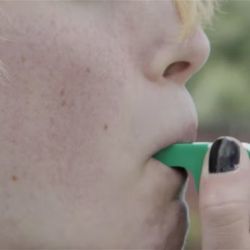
[(221, 90)]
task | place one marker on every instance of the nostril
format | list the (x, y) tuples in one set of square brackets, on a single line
[(175, 68)]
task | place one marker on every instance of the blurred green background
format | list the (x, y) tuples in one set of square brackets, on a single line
[(221, 90)]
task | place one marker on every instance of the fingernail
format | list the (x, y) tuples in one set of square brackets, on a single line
[(224, 156)]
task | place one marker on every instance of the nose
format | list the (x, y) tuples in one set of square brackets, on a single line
[(191, 55)]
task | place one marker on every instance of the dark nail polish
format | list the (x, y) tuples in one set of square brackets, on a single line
[(224, 156)]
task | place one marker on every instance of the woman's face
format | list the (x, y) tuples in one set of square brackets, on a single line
[(91, 98)]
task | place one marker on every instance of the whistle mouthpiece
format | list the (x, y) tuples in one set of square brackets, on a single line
[(190, 156)]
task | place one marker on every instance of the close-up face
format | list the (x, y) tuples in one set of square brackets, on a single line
[(94, 90)]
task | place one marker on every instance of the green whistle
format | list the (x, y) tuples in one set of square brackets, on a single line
[(190, 156)]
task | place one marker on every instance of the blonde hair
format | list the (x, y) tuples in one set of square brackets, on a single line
[(194, 12)]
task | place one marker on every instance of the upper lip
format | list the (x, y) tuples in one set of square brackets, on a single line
[(186, 135)]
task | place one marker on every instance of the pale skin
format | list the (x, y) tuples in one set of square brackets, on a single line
[(86, 106)]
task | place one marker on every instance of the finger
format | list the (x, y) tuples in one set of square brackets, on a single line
[(223, 197)]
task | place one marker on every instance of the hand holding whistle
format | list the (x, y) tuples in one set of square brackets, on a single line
[(190, 156)]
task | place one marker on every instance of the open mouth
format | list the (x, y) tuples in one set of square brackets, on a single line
[(183, 176)]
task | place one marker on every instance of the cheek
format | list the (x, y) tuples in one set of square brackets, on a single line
[(67, 99)]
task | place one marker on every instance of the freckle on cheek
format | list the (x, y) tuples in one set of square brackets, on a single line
[(63, 103), (62, 92), (23, 59), (14, 178), (51, 120), (105, 127), (87, 70)]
